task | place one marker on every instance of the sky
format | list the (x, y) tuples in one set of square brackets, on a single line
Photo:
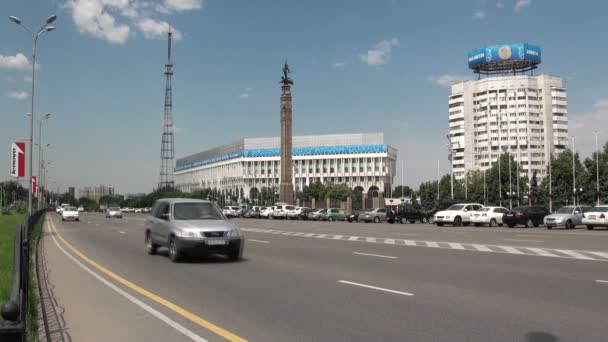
[(358, 66)]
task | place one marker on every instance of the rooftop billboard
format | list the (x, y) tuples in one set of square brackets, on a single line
[(507, 54)]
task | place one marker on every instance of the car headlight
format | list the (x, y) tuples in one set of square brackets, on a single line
[(447, 217), (186, 235), (234, 233), (559, 219)]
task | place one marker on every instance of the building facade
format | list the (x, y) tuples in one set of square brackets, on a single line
[(96, 192), (362, 161), (72, 191), (523, 115)]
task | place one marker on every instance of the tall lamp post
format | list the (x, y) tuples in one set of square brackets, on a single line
[(45, 117), (450, 158), (43, 29), (573, 172), (597, 168)]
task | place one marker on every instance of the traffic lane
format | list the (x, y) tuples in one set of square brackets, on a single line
[(525, 237), (286, 271), (93, 311)]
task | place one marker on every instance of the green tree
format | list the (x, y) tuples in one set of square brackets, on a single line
[(402, 191), (562, 188)]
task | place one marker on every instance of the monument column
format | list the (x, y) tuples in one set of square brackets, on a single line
[(286, 193)]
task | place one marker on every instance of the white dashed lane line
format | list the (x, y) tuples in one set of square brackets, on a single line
[(375, 288), (376, 255), (260, 241), (602, 281), (522, 240)]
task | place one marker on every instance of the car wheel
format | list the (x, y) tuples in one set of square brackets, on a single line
[(510, 225), (376, 219), (549, 227), (493, 223), (62, 219), (529, 223), (457, 221), (174, 252), (431, 220), (569, 224), (403, 220), (78, 220), (424, 220), (439, 224), (331, 219), (151, 247), (589, 227)]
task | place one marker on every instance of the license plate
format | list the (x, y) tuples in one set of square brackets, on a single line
[(592, 217), (217, 242), (509, 214)]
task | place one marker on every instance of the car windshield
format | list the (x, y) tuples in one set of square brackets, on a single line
[(196, 211), (565, 210), (456, 207), (114, 209), (599, 209), (483, 209), (70, 209)]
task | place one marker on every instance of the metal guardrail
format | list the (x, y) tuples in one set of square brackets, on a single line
[(12, 324)]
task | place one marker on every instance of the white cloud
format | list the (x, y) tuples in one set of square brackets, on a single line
[(91, 17), (480, 14), (447, 80), (156, 29), (16, 62), (601, 103), (338, 64), (520, 4), (18, 95), (169, 6), (27, 79), (381, 53), (499, 5), (245, 94)]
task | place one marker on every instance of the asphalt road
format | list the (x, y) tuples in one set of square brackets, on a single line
[(310, 281)]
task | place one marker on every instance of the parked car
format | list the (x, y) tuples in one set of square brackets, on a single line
[(437, 208), (528, 216), (81, 209), (407, 213), (596, 217), (354, 216), (457, 214), (266, 212), (333, 214), (375, 215), (113, 212), (280, 212), (568, 217), (232, 211), (70, 213), (303, 215), (138, 210), (190, 225), (295, 213), (316, 214), (492, 216)]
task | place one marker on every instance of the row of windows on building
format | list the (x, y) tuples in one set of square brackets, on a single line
[(317, 166), (302, 181)]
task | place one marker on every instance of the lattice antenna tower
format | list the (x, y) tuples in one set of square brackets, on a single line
[(167, 149)]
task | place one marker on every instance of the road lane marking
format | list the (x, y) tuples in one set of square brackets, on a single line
[(406, 234), (542, 252), (376, 255), (574, 254), (370, 239), (522, 240), (482, 248), (353, 238), (455, 245), (121, 232), (432, 244), (389, 241), (530, 235), (260, 241), (511, 250), (152, 296), (601, 254), (375, 288), (134, 300), (602, 281)]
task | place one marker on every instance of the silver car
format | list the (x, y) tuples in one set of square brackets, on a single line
[(190, 225), (567, 217), (113, 212)]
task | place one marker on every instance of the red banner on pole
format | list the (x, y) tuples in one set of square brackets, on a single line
[(17, 159), (34, 186)]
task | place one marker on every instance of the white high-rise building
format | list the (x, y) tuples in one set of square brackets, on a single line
[(522, 114)]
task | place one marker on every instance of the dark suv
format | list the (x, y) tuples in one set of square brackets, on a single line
[(526, 216), (407, 213)]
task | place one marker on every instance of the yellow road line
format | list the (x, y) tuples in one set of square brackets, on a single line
[(160, 300)]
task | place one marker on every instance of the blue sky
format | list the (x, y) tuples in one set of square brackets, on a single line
[(358, 66)]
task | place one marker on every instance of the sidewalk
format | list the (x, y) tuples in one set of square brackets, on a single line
[(78, 306)]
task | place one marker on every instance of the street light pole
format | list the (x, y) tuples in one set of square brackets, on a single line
[(46, 116), (573, 173), (437, 180), (597, 167), (451, 158), (43, 29), (550, 186), (510, 183)]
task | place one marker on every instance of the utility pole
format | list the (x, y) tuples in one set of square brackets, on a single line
[(402, 184), (597, 167), (550, 186), (519, 173), (510, 183), (573, 174), (437, 180)]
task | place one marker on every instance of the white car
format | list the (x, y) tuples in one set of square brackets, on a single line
[(232, 211), (295, 214), (596, 217), (81, 209), (281, 211), (266, 212), (492, 216), (457, 214), (69, 213)]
